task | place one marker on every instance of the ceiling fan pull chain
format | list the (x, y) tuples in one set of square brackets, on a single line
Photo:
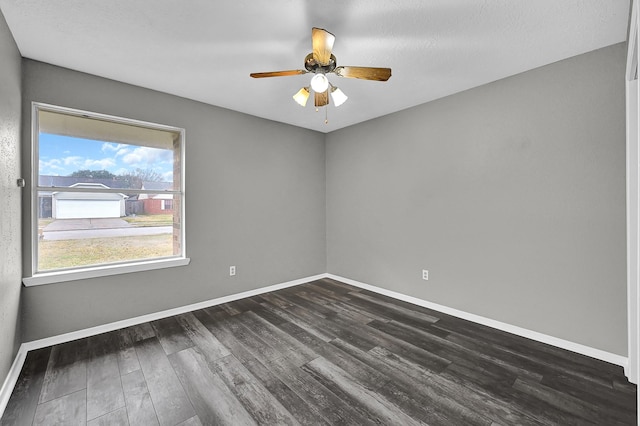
[(326, 113)]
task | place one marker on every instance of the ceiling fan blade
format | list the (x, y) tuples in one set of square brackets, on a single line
[(277, 73), (364, 73), (322, 41), (322, 99)]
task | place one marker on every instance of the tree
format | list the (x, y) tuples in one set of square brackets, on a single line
[(94, 174), (148, 175), (139, 176)]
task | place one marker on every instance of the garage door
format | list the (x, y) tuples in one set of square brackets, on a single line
[(78, 209)]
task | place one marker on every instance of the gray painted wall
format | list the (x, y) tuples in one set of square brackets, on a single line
[(10, 244), (255, 199), (512, 195)]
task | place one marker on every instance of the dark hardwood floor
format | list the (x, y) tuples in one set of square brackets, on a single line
[(319, 353)]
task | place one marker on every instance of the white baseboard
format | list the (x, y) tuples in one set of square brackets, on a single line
[(92, 331), (519, 331), (12, 378), (18, 362), (16, 367)]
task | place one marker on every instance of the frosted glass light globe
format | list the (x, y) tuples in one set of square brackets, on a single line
[(319, 83)]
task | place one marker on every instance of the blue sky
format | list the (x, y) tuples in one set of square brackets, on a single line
[(63, 155)]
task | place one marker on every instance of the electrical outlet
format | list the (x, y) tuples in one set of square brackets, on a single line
[(425, 274), (232, 270)]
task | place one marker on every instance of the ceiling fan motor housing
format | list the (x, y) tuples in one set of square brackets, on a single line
[(311, 65)]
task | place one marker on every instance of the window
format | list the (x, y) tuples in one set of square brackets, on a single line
[(107, 195)]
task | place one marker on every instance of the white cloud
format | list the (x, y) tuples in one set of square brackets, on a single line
[(72, 160), (108, 146), (119, 149), (122, 151), (47, 167), (143, 155), (102, 164)]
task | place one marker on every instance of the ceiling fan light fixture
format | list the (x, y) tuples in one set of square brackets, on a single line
[(302, 96), (338, 96), (319, 83)]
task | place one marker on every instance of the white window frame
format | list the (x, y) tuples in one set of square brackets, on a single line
[(81, 272), (632, 370)]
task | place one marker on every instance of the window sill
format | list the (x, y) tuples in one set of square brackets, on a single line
[(102, 271)]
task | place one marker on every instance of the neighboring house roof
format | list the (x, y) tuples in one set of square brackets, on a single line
[(157, 186), (62, 195), (156, 197), (70, 181), (45, 180)]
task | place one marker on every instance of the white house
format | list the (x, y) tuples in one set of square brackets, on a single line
[(76, 205)]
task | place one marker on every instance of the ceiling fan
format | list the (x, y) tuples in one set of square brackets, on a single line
[(321, 62)]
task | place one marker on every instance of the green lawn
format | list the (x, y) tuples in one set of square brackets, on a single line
[(92, 251), (150, 220)]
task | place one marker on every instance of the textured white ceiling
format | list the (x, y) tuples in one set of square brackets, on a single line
[(205, 50)]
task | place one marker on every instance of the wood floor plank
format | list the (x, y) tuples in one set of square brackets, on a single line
[(202, 337), (363, 372), (224, 335), (412, 394), (337, 286), (172, 337), (114, 418), (127, 357), (279, 340), (257, 400), (453, 351), (319, 333), (378, 408), (490, 356), (531, 361), (104, 388), (243, 345), (300, 409), (327, 405), (193, 421), (21, 407), (275, 299), (140, 408), (399, 311), (611, 400), (237, 333), (66, 370), (169, 399), (70, 409), (327, 292), (291, 294), (214, 403), (483, 383), (562, 401), (335, 327), (230, 309), (586, 368), (351, 313), (141, 332), (450, 397), (244, 305), (268, 314), (324, 287), (315, 297)]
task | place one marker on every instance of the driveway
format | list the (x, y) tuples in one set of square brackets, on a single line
[(75, 229)]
